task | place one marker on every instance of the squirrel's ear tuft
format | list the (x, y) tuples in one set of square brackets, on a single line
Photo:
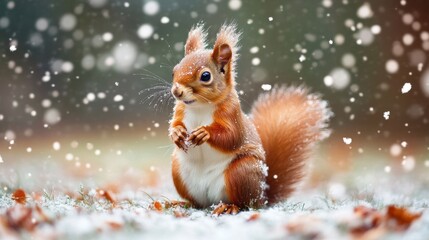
[(226, 46), (196, 39)]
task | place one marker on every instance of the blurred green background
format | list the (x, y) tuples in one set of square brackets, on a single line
[(76, 75)]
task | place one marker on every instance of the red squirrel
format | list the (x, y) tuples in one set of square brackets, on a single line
[(225, 156)]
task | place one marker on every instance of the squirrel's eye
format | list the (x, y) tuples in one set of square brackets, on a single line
[(205, 77)]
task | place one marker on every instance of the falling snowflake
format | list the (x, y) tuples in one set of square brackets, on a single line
[(386, 115), (392, 66), (365, 11), (408, 163), (347, 140), (406, 88), (118, 98), (266, 87)]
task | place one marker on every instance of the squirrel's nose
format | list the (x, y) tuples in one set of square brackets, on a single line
[(176, 92)]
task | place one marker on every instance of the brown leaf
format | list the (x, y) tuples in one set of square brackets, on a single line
[(370, 218), (401, 216), (157, 206), (175, 203), (19, 196), (254, 217), (20, 217), (179, 214), (108, 195), (115, 225), (363, 211), (168, 205)]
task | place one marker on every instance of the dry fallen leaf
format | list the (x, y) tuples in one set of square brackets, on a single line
[(254, 217), (179, 214), (370, 217), (175, 203), (114, 225), (402, 217), (376, 222), (305, 227), (157, 206), (19, 196), (20, 217), (108, 195)]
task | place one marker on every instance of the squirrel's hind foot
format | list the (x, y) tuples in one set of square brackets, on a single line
[(223, 208)]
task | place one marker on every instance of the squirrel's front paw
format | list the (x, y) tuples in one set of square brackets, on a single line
[(199, 136), (179, 134)]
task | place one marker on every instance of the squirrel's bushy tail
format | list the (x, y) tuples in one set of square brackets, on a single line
[(289, 121)]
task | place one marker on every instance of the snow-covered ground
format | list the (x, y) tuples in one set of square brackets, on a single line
[(356, 206), (316, 217)]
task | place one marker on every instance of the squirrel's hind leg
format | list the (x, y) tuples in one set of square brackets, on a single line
[(245, 182)]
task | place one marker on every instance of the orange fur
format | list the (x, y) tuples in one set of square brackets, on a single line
[(226, 131), (242, 182), (285, 124), (196, 39), (289, 122), (179, 113)]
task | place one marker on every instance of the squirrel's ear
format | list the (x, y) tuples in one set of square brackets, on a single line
[(226, 46), (222, 54), (196, 39)]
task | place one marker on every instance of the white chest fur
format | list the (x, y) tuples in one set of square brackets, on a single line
[(202, 167)]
